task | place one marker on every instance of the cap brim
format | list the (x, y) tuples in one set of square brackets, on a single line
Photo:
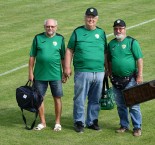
[(91, 14), (118, 25)]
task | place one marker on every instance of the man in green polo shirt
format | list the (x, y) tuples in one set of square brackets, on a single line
[(125, 59), (86, 46), (45, 67)]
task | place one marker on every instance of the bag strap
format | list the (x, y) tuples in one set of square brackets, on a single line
[(33, 123), (29, 83), (131, 46), (105, 85)]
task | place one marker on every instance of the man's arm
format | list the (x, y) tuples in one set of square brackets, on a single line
[(64, 78), (68, 60), (139, 78), (31, 66)]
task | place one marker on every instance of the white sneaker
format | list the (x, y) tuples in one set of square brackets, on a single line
[(57, 127), (39, 127)]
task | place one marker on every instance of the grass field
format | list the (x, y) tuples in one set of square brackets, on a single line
[(21, 20)]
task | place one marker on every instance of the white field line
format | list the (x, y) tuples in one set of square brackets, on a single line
[(17, 68), (25, 65)]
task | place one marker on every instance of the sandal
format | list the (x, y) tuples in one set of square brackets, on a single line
[(39, 127), (57, 127)]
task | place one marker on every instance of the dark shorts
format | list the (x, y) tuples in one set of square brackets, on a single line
[(55, 86)]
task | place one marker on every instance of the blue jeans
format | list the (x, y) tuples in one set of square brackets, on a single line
[(87, 84), (134, 110)]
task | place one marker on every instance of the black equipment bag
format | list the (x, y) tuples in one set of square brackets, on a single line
[(28, 98)]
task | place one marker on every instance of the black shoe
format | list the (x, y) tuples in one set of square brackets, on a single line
[(79, 127), (95, 125)]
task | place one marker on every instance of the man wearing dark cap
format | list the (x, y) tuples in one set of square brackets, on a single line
[(125, 70), (86, 46)]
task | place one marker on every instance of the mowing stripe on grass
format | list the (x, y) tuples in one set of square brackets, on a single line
[(25, 65)]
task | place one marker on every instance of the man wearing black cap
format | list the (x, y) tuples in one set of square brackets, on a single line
[(86, 46), (125, 60)]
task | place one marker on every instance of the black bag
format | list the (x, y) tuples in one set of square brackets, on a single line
[(107, 100), (28, 98), (120, 82)]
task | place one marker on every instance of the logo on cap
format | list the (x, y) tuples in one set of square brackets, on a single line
[(118, 21), (91, 10)]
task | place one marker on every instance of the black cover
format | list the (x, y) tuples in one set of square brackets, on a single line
[(28, 98), (139, 93)]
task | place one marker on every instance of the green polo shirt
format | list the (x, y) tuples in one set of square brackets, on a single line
[(123, 56), (48, 51), (88, 47)]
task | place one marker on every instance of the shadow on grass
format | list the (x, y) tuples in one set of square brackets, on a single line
[(12, 117)]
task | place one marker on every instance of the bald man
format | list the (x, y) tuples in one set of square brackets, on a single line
[(46, 65)]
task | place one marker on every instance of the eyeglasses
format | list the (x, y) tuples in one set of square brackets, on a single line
[(119, 28), (50, 27), (91, 17)]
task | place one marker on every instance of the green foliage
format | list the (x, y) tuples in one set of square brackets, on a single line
[(20, 21)]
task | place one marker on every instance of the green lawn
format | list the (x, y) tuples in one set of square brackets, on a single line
[(21, 20)]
